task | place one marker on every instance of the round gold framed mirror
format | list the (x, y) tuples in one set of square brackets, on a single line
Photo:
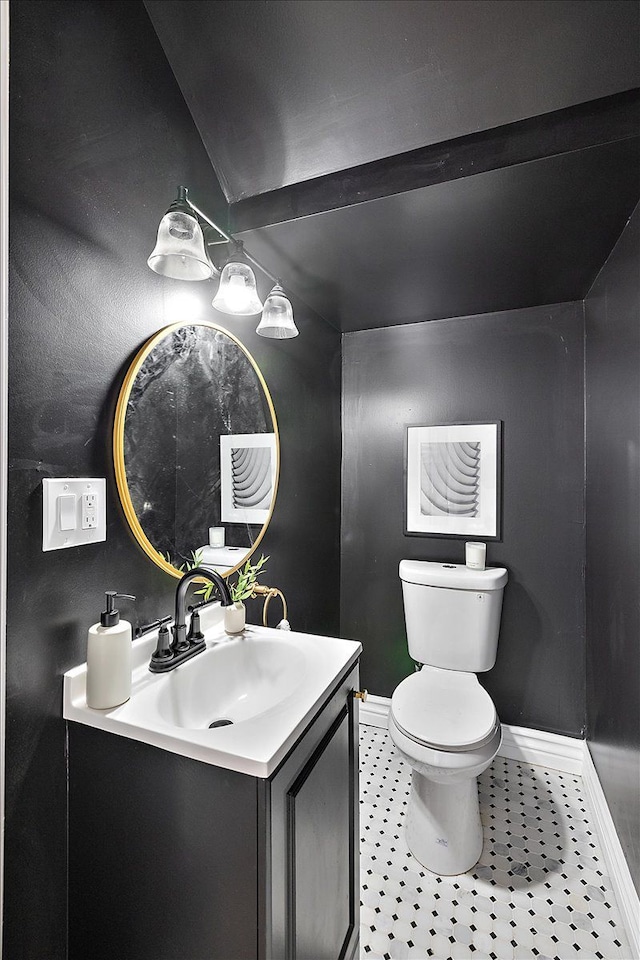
[(196, 449)]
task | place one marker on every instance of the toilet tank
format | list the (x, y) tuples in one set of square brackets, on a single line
[(452, 613)]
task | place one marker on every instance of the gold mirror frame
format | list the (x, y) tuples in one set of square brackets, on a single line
[(118, 444)]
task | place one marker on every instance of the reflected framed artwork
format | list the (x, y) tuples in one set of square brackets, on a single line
[(453, 480), (247, 476)]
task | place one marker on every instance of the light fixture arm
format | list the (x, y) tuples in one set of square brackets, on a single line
[(208, 220), (257, 264), (231, 239)]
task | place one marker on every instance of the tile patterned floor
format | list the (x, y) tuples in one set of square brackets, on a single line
[(540, 890)]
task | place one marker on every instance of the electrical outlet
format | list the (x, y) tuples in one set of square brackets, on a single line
[(73, 512), (89, 511)]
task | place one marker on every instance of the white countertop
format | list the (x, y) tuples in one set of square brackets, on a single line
[(272, 659)]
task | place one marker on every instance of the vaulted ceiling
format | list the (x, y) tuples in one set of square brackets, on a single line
[(406, 160)]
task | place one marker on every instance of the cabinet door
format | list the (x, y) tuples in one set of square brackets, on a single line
[(319, 839), (315, 835)]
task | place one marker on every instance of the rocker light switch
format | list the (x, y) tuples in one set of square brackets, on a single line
[(67, 511), (73, 512)]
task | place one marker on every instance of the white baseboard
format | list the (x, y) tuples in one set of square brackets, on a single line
[(567, 755), (548, 750), (374, 712), (623, 885)]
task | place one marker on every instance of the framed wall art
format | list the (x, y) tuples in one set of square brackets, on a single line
[(453, 480), (247, 476)]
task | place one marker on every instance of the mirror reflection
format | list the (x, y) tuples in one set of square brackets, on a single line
[(196, 449)]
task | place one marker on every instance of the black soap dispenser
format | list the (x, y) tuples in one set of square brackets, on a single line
[(109, 657)]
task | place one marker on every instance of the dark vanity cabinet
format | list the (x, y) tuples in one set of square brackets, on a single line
[(173, 859)]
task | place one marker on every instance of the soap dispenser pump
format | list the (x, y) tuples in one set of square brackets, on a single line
[(109, 657)]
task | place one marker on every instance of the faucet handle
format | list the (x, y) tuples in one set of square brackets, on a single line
[(163, 648), (195, 634)]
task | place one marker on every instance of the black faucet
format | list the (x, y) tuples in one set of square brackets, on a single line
[(169, 655)]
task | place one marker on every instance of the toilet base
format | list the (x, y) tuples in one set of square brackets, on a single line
[(443, 828)]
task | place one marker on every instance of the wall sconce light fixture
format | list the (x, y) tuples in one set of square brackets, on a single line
[(277, 317), (181, 253), (237, 293)]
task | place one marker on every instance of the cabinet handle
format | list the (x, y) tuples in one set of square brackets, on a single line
[(361, 694)]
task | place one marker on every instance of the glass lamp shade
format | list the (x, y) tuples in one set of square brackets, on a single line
[(179, 251), (237, 292), (277, 317)]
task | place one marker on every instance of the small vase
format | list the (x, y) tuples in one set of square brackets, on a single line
[(235, 617)]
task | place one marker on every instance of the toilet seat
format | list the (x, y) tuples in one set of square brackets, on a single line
[(445, 710)]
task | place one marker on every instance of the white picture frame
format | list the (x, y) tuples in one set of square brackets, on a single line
[(247, 477), (453, 480)]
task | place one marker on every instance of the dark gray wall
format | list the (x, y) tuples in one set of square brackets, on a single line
[(100, 138), (303, 539), (612, 316), (525, 368)]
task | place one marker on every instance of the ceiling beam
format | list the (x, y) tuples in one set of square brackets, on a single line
[(590, 124)]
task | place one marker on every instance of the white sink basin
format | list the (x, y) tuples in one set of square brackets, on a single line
[(268, 683), (235, 681)]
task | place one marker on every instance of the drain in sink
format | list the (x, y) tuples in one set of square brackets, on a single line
[(222, 722)]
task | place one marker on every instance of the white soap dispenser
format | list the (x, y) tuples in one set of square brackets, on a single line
[(109, 657)]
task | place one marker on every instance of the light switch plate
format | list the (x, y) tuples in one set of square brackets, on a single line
[(88, 492)]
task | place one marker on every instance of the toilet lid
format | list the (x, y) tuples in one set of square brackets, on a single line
[(444, 708)]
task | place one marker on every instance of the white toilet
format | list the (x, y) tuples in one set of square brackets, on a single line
[(442, 721)]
